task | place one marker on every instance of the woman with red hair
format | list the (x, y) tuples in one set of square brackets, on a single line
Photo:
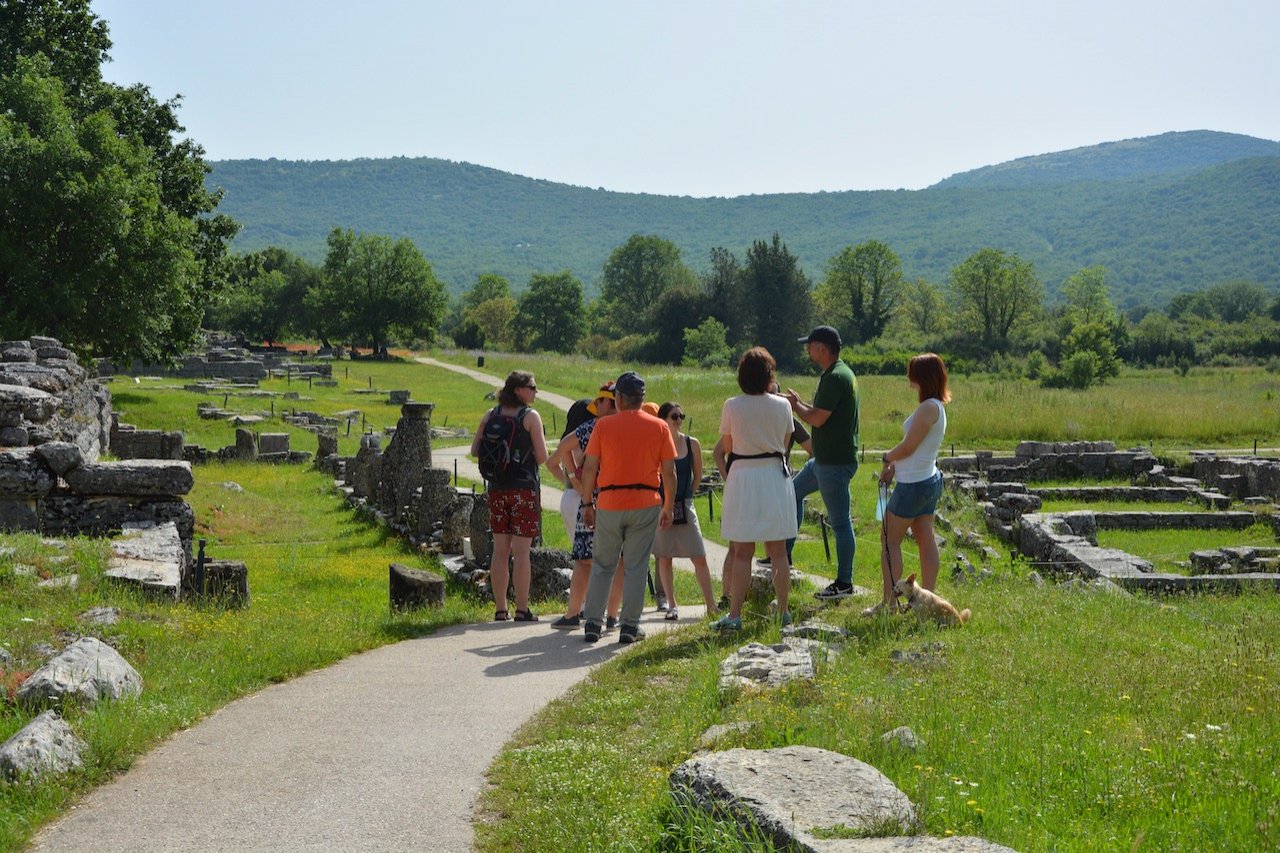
[(913, 462)]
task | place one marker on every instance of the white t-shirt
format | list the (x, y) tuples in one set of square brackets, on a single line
[(756, 423), (923, 463)]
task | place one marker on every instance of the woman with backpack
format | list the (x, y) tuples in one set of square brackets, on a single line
[(510, 446)]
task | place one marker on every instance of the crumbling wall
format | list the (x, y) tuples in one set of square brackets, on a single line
[(45, 395)]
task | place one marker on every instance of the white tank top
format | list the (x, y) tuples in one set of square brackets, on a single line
[(923, 463)]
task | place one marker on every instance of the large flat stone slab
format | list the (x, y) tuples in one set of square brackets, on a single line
[(136, 477), (150, 557)]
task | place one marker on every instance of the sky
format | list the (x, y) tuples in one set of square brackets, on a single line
[(700, 97)]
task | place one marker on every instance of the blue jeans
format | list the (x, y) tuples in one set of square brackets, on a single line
[(832, 481)]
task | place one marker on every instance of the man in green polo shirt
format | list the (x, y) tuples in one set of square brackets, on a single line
[(833, 416)]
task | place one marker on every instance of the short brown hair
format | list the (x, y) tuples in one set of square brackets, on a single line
[(756, 370), (928, 371), (515, 379)]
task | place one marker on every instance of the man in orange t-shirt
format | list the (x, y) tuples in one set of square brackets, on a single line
[(631, 454)]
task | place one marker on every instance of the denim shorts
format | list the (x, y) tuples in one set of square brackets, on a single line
[(912, 500)]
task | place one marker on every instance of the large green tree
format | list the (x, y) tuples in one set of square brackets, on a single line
[(1088, 298), (861, 290), (266, 296), (375, 288), (552, 315), (636, 275), (729, 302), (995, 290), (108, 237), (781, 301)]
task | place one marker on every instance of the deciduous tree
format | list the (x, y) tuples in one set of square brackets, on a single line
[(1088, 298), (861, 290), (552, 315), (108, 235), (636, 274), (995, 290), (374, 288)]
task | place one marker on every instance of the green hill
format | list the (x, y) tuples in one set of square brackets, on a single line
[(1177, 227)]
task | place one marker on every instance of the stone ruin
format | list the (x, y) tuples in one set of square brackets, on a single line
[(229, 360), (1067, 543), (45, 395), (399, 486)]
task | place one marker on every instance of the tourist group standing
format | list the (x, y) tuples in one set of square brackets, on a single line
[(629, 472)]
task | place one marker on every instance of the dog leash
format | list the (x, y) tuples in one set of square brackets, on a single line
[(882, 506)]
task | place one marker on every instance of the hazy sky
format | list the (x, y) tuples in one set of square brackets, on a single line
[(700, 98)]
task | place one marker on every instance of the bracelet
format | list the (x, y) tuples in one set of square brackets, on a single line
[(590, 504)]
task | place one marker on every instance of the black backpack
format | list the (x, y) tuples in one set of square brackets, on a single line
[(501, 450)]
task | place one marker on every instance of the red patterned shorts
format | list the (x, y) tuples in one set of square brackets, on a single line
[(515, 512)]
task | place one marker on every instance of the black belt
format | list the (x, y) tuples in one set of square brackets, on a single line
[(734, 457), (630, 486)]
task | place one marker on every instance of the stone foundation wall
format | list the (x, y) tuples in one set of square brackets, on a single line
[(51, 489), (1242, 477), (45, 395)]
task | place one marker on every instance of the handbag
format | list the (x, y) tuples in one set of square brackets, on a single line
[(680, 515)]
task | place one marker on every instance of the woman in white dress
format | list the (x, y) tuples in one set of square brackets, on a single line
[(759, 502)]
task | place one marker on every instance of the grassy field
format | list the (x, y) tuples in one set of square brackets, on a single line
[(1055, 720)]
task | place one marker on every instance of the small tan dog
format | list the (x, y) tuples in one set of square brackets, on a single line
[(929, 605)]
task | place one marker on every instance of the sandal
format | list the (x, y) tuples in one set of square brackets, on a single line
[(672, 615), (526, 616), (501, 616)]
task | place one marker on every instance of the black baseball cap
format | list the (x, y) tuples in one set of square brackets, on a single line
[(630, 384), (823, 335)]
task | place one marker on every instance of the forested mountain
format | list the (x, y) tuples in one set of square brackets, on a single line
[(1160, 228), (1166, 154)]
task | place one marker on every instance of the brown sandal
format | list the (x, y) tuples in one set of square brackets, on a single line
[(526, 616), (501, 616)]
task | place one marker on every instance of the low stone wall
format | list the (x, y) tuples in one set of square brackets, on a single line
[(1038, 460), (51, 489), (1134, 494), (45, 395), (1241, 477), (129, 442)]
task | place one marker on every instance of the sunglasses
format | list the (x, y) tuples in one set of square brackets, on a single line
[(531, 387), (676, 416)]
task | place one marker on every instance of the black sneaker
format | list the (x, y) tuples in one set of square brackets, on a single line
[(591, 632), (567, 622), (834, 591), (630, 634), (610, 622)]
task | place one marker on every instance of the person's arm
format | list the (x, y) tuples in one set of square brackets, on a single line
[(721, 454), (590, 468), (533, 423), (668, 493), (475, 440), (695, 450), (811, 415), (556, 462)]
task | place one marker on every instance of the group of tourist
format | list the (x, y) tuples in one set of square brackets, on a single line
[(629, 473)]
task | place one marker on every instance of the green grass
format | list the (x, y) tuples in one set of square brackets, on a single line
[(1169, 550), (318, 580), (1054, 720), (1227, 407)]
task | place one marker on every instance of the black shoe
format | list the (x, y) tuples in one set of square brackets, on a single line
[(630, 634), (567, 622), (834, 591), (610, 622), (591, 632), (765, 561)]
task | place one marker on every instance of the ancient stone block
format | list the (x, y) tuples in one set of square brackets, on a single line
[(757, 665), (406, 460), (326, 444), (481, 538), (86, 671), (22, 475), (397, 398), (17, 351), (43, 746), (150, 557), (19, 514), (32, 403), (413, 588), (457, 524), (61, 457), (225, 582), (106, 515), (141, 477), (273, 442)]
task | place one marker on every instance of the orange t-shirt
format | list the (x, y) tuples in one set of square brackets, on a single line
[(631, 447)]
